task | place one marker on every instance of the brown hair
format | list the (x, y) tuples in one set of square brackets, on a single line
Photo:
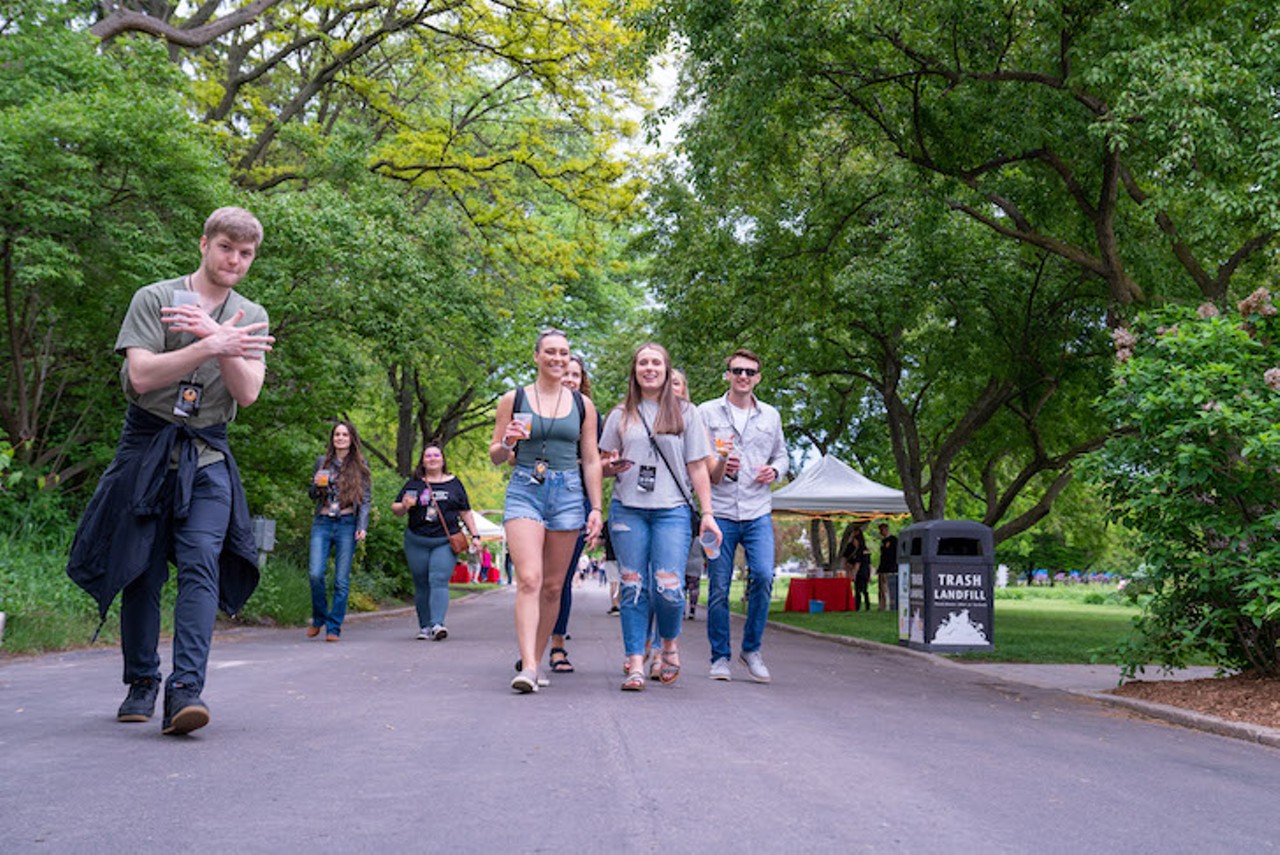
[(236, 223), (670, 408), (743, 353), (354, 475), (585, 385), (420, 471), (548, 333)]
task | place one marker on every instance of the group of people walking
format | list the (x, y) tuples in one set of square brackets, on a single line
[(194, 351), (682, 471)]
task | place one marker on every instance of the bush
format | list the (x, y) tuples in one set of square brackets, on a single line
[(1195, 471)]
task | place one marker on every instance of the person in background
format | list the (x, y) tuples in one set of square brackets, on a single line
[(341, 488), (576, 379), (662, 443), (194, 351), (751, 454), (887, 570), (552, 436), (473, 560), (435, 501), (696, 565), (486, 563), (857, 562)]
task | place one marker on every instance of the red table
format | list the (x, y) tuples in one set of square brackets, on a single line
[(835, 592)]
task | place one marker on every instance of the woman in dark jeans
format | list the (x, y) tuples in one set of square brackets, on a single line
[(575, 377), (857, 559), (340, 488)]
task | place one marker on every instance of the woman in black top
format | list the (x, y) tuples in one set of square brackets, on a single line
[(430, 494)]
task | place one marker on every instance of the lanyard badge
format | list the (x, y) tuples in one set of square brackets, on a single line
[(187, 402)]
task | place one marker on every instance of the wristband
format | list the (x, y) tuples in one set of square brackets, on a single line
[(511, 447)]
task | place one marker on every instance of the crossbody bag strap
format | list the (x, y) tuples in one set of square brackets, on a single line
[(443, 523), (658, 448)]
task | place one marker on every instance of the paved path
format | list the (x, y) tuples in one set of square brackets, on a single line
[(385, 743)]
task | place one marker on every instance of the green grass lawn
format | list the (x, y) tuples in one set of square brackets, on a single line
[(1049, 625)]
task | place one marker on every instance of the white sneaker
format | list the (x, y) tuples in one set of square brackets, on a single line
[(424, 634), (543, 681), (720, 669), (755, 664), (524, 683), (439, 633)]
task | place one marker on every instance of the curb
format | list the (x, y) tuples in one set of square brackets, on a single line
[(1245, 731)]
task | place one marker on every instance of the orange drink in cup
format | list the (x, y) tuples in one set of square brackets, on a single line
[(525, 420), (322, 478)]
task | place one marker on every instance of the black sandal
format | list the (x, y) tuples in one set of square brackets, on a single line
[(561, 665)]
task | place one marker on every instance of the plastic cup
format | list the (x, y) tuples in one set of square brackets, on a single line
[(186, 298), (710, 544), (322, 478), (526, 422), (411, 497)]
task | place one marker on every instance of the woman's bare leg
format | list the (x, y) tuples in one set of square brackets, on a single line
[(526, 542), (557, 549)]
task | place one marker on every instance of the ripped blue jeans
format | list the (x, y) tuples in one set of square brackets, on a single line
[(652, 545)]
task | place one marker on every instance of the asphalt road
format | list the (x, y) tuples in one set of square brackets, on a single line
[(382, 743)]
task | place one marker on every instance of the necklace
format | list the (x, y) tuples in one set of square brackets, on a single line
[(546, 427)]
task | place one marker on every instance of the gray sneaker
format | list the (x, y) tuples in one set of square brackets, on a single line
[(424, 634), (439, 633), (720, 669), (755, 664)]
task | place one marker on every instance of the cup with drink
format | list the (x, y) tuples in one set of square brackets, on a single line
[(410, 498), (710, 543), (322, 478), (525, 421)]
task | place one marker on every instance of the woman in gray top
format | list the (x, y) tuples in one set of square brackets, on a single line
[(661, 440)]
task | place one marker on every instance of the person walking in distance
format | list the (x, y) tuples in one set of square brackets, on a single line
[(194, 352), (341, 488), (887, 570), (437, 504), (751, 454)]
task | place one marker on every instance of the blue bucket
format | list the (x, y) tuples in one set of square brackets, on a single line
[(816, 606)]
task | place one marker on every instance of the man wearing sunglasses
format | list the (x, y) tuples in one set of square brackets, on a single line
[(750, 455)]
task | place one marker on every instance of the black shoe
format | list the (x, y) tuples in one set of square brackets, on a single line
[(140, 705), (183, 710), (613, 610)]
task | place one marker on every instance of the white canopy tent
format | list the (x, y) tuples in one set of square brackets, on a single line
[(489, 530), (830, 488)]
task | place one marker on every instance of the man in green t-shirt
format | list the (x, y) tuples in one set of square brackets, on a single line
[(193, 352)]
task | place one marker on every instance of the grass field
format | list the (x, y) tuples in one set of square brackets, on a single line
[(1049, 625)]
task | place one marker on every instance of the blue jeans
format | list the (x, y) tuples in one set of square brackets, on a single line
[(756, 537), (339, 536), (651, 546), (196, 542), (431, 562), (566, 593)]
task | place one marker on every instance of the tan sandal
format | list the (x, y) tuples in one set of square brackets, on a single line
[(669, 671), (634, 681)]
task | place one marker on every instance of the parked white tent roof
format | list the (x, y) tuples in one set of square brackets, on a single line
[(830, 488)]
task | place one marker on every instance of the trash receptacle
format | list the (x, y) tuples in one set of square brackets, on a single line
[(946, 571)]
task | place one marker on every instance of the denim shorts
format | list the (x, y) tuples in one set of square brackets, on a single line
[(557, 502)]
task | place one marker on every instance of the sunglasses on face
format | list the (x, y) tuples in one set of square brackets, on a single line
[(744, 372)]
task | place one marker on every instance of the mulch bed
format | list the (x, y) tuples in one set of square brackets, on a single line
[(1241, 697)]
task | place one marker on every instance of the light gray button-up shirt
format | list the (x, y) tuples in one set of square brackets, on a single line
[(760, 444)]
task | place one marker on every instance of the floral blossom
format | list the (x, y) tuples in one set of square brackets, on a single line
[(1207, 310), (1257, 303), (1272, 378)]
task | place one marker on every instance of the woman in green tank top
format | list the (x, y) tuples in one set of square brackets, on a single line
[(548, 434)]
